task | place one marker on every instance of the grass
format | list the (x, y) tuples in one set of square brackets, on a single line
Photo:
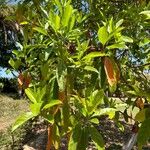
[(10, 109)]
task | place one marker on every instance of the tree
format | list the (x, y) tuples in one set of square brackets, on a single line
[(8, 35), (77, 51)]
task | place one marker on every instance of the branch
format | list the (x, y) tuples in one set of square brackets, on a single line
[(138, 66)]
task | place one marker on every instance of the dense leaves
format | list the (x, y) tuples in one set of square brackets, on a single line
[(78, 54)]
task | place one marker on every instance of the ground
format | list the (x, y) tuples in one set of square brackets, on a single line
[(33, 136)]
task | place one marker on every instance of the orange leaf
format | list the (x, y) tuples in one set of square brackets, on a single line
[(27, 81), (139, 103), (61, 95), (20, 79), (109, 70)]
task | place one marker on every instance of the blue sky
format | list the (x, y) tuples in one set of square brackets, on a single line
[(3, 73)]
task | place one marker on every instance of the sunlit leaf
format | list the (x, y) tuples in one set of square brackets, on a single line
[(127, 39), (31, 95), (95, 99), (111, 70), (144, 42), (90, 68), (117, 45), (40, 30), (52, 103), (35, 108), (103, 35), (119, 23), (94, 54), (68, 10), (22, 119)]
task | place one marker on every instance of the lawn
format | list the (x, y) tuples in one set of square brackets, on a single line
[(10, 109)]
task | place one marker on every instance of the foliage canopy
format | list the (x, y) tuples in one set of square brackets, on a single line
[(77, 51)]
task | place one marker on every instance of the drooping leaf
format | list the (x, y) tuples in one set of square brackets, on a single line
[(144, 133), (75, 137), (140, 116), (139, 103), (83, 142), (22, 119), (111, 70), (97, 138)]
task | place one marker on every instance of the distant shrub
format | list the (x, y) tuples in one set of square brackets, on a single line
[(8, 85)]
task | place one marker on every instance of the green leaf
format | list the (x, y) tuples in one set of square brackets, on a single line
[(103, 35), (144, 42), (93, 55), (35, 108), (49, 118), (59, 5), (52, 103), (44, 70), (67, 15), (40, 30), (83, 142), (127, 39), (24, 23), (22, 119), (94, 120), (106, 111), (57, 22), (75, 137), (144, 133), (147, 13), (119, 23), (140, 116), (15, 64), (117, 45), (31, 95), (40, 94), (95, 100), (90, 68), (72, 22), (97, 138)]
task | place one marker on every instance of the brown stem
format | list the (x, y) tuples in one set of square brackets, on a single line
[(49, 140)]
